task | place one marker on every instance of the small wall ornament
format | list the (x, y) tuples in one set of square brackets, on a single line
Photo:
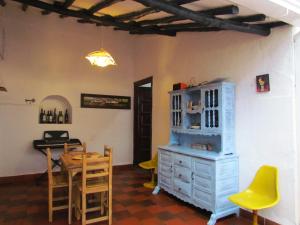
[(262, 83)]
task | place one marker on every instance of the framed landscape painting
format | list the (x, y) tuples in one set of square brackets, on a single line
[(105, 101)]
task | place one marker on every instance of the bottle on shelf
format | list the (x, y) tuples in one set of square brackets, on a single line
[(50, 117), (60, 118), (66, 116), (41, 115), (54, 119), (44, 119)]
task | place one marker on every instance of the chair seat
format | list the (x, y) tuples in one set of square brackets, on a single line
[(60, 181), (252, 200), (148, 165)]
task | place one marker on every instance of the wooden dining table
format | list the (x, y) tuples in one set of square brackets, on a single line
[(72, 163)]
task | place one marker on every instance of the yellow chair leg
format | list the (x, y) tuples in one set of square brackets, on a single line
[(255, 217), (152, 183)]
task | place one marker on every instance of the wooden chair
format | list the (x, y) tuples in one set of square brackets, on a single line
[(96, 179), (55, 182), (74, 148)]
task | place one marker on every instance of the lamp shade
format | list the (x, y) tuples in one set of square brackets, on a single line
[(100, 58)]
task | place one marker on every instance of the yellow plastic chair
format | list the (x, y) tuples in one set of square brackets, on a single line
[(150, 165), (262, 192)]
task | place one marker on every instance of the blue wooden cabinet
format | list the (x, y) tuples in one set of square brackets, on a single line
[(199, 165)]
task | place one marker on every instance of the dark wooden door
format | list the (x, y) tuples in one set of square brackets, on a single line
[(142, 124)]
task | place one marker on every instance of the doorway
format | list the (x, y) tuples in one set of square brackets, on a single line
[(142, 120)]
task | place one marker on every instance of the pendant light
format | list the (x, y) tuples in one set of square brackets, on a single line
[(101, 58)]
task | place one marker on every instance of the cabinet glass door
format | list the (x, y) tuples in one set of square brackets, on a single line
[(211, 113), (176, 110)]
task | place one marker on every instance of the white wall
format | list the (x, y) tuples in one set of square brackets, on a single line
[(297, 103), (44, 55), (264, 122)]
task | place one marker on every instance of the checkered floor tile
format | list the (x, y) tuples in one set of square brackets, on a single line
[(26, 204)]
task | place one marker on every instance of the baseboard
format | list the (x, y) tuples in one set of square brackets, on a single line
[(32, 177), (261, 220), (19, 179), (119, 168)]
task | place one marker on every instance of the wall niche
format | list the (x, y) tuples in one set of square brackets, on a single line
[(55, 109)]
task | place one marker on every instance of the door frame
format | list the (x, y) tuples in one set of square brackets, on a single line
[(135, 122)]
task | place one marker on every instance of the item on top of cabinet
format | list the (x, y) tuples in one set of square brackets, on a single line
[(199, 146), (192, 83), (179, 86)]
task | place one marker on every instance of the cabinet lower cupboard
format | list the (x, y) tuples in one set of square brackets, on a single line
[(205, 182)]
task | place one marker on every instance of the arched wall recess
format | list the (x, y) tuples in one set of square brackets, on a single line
[(57, 104)]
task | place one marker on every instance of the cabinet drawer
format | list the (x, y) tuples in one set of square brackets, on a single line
[(203, 199), (165, 158), (203, 184), (182, 160), (227, 185), (165, 180), (204, 168), (165, 170), (183, 174), (227, 169), (182, 187)]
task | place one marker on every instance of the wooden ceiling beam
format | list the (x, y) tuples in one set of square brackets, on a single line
[(146, 11), (205, 20), (251, 18), (101, 5), (273, 24), (231, 9), (67, 3), (2, 3), (191, 29), (104, 20)]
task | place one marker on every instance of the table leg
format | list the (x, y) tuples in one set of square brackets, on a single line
[(70, 197)]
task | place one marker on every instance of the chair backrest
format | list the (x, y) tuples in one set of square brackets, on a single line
[(49, 165), (97, 168), (76, 148), (265, 182)]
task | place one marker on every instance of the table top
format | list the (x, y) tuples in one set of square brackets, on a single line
[(73, 160)]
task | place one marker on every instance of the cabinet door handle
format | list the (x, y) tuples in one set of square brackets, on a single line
[(180, 161), (179, 175), (179, 189)]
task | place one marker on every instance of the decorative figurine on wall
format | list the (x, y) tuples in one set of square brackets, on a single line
[(262, 83)]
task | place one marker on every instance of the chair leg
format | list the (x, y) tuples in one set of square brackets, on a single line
[(110, 206), (83, 208), (50, 204), (77, 203), (255, 217), (102, 202)]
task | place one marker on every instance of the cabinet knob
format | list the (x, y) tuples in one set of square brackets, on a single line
[(180, 161), (179, 189), (179, 175)]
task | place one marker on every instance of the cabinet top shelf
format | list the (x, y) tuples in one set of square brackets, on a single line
[(195, 132), (197, 88), (196, 152)]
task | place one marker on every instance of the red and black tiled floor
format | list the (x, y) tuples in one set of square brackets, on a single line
[(26, 204)]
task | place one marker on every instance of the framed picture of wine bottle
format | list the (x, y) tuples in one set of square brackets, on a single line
[(105, 101)]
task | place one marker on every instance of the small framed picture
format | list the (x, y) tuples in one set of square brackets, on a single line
[(262, 83)]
